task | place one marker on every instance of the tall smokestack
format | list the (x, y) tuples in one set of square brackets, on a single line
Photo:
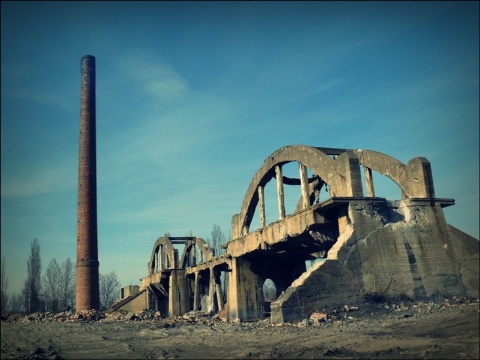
[(87, 292)]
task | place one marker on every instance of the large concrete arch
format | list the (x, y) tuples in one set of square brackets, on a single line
[(342, 175)]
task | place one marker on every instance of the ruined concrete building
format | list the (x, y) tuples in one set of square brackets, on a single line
[(87, 280), (364, 245)]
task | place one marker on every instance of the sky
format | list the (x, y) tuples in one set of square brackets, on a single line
[(192, 97)]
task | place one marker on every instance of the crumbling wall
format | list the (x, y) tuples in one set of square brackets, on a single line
[(386, 251), (325, 284), (139, 302), (466, 250), (412, 257)]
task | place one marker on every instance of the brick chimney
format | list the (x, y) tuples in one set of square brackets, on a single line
[(87, 282)]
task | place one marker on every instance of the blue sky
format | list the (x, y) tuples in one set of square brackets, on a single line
[(193, 96)]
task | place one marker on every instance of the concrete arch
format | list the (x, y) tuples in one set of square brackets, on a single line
[(414, 179), (204, 249), (341, 175), (168, 250)]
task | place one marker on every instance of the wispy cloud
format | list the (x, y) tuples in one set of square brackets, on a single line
[(163, 160), (21, 82), (457, 81), (156, 77), (40, 181), (49, 98)]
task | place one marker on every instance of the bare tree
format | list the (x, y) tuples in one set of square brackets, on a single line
[(32, 286), (17, 303), (26, 297), (51, 286), (67, 285), (4, 286), (109, 289), (218, 239)]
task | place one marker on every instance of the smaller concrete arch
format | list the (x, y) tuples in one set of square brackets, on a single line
[(162, 248), (189, 252), (414, 179)]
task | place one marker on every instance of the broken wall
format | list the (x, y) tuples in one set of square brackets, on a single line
[(138, 303), (389, 250)]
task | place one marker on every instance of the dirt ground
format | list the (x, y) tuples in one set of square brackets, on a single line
[(449, 330)]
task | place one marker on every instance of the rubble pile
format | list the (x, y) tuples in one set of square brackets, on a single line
[(69, 316), (404, 307)]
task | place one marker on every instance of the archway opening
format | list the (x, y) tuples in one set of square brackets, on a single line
[(269, 295), (381, 185)]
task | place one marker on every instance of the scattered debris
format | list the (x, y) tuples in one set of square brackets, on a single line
[(319, 316), (324, 317)]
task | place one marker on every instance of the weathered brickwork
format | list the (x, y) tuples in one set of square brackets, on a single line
[(87, 282)]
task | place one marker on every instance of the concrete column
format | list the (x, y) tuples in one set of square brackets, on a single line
[(192, 255), (261, 206), (196, 292), (218, 290), (175, 259), (369, 182), (244, 292), (343, 221), (211, 292), (349, 181), (178, 296), (172, 294), (419, 181), (281, 199), (161, 258), (304, 185), (328, 187)]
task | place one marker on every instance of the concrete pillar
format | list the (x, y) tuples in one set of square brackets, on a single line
[(331, 193), (343, 221), (369, 182), (192, 254), (211, 292), (175, 259), (350, 181), (419, 180), (244, 292), (304, 185), (261, 206), (178, 296), (87, 277), (196, 290), (161, 258), (281, 199), (218, 290)]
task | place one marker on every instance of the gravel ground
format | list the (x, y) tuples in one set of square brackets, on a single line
[(399, 330)]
